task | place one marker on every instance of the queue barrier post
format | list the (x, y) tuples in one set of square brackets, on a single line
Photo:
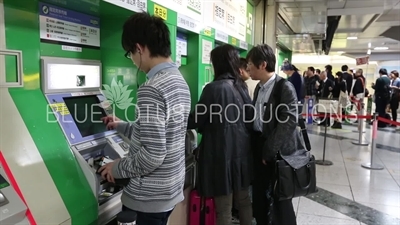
[(361, 141), (360, 113), (325, 102), (373, 165)]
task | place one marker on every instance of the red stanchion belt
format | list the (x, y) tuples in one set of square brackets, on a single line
[(353, 116), (388, 121)]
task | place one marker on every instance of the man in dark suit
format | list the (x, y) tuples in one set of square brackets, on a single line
[(348, 78), (325, 87), (275, 131), (328, 70)]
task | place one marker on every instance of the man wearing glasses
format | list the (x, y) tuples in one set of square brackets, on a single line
[(156, 161)]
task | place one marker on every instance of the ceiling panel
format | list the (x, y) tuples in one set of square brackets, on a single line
[(298, 43), (353, 22), (304, 16), (391, 15), (336, 4)]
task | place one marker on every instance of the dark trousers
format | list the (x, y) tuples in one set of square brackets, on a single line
[(380, 104), (150, 218), (282, 212), (394, 105)]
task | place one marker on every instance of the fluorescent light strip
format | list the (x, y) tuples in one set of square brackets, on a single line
[(381, 48)]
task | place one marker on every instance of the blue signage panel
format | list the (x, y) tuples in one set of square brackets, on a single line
[(66, 26)]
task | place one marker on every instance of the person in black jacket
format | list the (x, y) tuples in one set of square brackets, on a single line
[(358, 91), (382, 94), (341, 89), (348, 78), (225, 159), (328, 70), (325, 88)]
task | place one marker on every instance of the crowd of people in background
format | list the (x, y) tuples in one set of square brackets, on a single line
[(348, 86)]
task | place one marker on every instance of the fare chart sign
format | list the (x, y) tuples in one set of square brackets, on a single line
[(59, 25)]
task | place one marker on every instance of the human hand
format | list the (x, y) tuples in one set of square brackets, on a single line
[(330, 88), (111, 121), (106, 171), (264, 162)]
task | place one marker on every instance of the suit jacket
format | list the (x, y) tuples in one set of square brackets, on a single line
[(349, 81), (323, 89), (280, 132)]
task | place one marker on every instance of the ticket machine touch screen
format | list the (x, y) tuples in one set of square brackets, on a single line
[(86, 112), (3, 182)]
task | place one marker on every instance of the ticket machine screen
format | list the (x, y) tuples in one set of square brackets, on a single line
[(3, 182), (87, 112)]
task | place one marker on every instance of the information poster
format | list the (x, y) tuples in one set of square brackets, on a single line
[(133, 5), (181, 45), (66, 26), (206, 50), (229, 17)]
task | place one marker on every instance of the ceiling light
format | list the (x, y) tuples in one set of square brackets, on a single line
[(369, 45), (369, 52), (351, 38), (381, 48), (340, 52)]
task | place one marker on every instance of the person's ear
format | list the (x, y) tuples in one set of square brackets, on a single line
[(263, 65), (241, 72), (139, 49)]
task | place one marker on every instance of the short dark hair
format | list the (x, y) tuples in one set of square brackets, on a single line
[(311, 68), (383, 71), (149, 31), (395, 73), (260, 54), (243, 63), (225, 60), (328, 67), (345, 68), (318, 71)]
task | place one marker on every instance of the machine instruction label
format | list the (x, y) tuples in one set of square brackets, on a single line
[(60, 108)]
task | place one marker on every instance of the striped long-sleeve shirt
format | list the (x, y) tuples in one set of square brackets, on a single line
[(156, 159)]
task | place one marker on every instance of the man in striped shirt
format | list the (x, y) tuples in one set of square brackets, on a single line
[(156, 160)]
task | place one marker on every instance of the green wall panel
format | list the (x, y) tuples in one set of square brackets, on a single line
[(249, 25), (282, 55), (55, 50), (115, 66), (22, 33)]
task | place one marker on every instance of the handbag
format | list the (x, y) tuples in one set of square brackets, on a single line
[(291, 183)]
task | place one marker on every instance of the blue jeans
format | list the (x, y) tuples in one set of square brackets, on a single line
[(150, 218)]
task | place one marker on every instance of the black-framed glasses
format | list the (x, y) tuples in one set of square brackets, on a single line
[(128, 54)]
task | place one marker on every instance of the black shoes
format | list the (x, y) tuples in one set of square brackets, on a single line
[(336, 125)]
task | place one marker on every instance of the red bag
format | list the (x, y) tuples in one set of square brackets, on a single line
[(202, 210)]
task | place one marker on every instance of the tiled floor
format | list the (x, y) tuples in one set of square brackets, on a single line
[(349, 193)]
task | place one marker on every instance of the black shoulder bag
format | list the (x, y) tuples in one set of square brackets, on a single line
[(290, 182)]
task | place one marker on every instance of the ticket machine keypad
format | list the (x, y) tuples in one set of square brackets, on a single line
[(124, 146)]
